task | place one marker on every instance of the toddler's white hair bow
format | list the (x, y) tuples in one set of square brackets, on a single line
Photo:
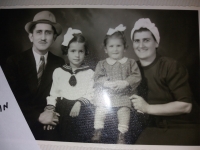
[(69, 35), (146, 23), (118, 28)]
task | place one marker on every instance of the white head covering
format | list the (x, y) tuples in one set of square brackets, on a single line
[(120, 28), (69, 35), (146, 23)]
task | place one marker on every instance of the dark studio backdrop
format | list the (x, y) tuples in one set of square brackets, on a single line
[(179, 32)]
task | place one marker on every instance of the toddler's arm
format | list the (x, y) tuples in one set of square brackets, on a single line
[(100, 75), (135, 76)]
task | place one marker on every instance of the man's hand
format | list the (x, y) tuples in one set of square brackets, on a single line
[(49, 117), (49, 127), (139, 104), (75, 109)]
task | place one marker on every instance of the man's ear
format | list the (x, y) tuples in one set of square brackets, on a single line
[(30, 35)]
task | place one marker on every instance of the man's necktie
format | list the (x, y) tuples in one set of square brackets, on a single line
[(41, 69)]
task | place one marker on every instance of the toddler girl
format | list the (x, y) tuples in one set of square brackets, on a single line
[(72, 90), (116, 78)]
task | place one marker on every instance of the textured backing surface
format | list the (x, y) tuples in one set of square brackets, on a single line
[(195, 3), (41, 3)]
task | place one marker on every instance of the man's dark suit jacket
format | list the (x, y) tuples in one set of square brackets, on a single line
[(21, 74)]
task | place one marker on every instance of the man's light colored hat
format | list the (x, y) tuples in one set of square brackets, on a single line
[(146, 23), (44, 17)]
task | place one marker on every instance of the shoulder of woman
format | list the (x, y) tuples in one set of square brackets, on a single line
[(170, 63)]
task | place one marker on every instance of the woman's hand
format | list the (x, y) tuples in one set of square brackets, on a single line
[(168, 109), (75, 109), (139, 104)]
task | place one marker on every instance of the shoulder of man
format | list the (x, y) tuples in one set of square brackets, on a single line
[(19, 56), (57, 59)]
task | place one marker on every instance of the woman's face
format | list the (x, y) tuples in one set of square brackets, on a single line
[(144, 45), (76, 54)]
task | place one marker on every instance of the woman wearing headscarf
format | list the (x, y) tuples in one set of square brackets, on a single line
[(169, 98)]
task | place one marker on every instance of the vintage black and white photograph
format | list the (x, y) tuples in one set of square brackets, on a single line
[(102, 75)]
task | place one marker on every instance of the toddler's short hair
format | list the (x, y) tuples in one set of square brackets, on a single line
[(118, 34)]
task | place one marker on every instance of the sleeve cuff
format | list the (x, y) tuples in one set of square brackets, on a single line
[(84, 101), (51, 100)]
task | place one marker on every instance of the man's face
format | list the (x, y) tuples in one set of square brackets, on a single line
[(42, 37)]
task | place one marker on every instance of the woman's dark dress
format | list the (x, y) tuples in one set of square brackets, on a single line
[(167, 81)]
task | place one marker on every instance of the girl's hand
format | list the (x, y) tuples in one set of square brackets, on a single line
[(75, 109), (120, 85), (110, 85), (139, 104)]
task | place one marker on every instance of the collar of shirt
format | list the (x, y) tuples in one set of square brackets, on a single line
[(111, 61), (69, 69), (37, 58)]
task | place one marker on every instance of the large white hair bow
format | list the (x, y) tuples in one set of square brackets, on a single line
[(146, 23), (118, 28), (69, 36)]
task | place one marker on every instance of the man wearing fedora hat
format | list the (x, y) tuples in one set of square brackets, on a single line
[(30, 72)]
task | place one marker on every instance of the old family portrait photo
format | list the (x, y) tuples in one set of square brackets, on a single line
[(115, 76)]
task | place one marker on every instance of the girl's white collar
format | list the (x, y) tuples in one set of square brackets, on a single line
[(111, 61)]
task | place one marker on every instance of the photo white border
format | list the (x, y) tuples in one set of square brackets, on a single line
[(76, 146)]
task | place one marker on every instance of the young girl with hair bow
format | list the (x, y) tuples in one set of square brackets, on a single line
[(72, 90), (116, 78)]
